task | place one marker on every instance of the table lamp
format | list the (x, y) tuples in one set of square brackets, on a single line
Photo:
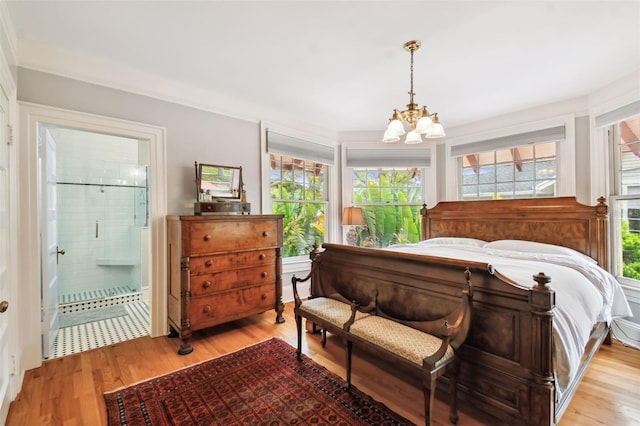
[(352, 217)]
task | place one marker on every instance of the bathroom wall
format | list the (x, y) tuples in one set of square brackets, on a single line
[(102, 199)]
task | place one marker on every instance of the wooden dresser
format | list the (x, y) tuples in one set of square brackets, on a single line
[(222, 268)]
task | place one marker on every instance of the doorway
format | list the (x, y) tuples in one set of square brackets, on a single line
[(32, 117), (100, 216)]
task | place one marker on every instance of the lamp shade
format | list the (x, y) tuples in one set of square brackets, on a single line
[(424, 125), (413, 138), (390, 136), (396, 127), (352, 216), (437, 131)]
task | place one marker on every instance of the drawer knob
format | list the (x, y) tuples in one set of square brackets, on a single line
[(206, 309), (264, 296), (265, 234), (207, 237), (206, 284), (262, 256), (263, 275), (208, 263)]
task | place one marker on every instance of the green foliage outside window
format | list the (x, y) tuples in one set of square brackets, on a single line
[(390, 202), (630, 252), (298, 193), (303, 225)]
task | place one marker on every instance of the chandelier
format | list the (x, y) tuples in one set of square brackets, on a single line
[(419, 119)]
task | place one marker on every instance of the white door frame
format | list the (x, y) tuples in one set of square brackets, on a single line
[(30, 116), (9, 352)]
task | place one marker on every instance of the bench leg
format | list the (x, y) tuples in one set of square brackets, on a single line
[(349, 351), (453, 414), (299, 328), (429, 385), (324, 337)]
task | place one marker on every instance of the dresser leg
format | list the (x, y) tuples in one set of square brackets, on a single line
[(279, 310), (185, 348)]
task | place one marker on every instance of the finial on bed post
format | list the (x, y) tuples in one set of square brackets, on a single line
[(541, 295), (542, 279), (602, 209), (313, 254)]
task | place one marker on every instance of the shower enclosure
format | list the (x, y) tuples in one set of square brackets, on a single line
[(102, 211)]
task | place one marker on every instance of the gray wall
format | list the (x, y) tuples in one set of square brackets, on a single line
[(192, 134)]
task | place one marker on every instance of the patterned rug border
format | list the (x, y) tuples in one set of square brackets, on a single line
[(194, 365), (388, 416)]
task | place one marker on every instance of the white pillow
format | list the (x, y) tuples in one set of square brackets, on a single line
[(454, 241), (535, 247)]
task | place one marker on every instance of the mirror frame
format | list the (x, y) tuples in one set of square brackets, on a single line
[(234, 190)]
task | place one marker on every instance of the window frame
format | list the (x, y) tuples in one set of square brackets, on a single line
[(295, 263), (428, 176), (611, 135), (496, 165), (565, 149)]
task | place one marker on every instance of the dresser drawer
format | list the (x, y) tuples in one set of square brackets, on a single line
[(222, 268), (237, 278), (207, 237), (231, 304), (207, 264)]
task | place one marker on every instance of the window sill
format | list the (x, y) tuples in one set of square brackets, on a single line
[(631, 290), (295, 264)]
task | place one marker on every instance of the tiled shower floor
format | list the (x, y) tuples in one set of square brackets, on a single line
[(82, 301), (96, 334)]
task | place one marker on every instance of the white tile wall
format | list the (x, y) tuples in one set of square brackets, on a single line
[(112, 259)]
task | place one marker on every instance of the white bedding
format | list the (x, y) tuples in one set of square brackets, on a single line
[(585, 293)]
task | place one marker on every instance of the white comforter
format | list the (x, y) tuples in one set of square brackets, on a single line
[(585, 293)]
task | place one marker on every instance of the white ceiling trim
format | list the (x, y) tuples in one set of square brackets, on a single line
[(9, 34), (67, 63)]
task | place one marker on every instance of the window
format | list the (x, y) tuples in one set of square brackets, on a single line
[(389, 185), (298, 191), (390, 200), (526, 171), (624, 139), (521, 165), (298, 173)]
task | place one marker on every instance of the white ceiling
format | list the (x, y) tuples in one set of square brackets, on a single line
[(341, 65)]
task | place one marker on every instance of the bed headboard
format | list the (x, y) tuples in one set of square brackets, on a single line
[(561, 221)]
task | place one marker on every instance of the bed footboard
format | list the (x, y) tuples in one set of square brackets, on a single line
[(506, 362)]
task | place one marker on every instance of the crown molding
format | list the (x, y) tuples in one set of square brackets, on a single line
[(71, 64), (8, 34)]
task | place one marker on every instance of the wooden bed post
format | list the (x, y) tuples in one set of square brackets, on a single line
[(423, 223), (602, 225), (542, 398)]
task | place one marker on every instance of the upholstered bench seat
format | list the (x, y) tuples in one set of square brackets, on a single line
[(423, 346), (329, 310), (406, 342)]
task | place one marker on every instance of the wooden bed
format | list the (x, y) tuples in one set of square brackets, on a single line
[(507, 362)]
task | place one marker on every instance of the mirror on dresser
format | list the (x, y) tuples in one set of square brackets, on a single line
[(219, 190)]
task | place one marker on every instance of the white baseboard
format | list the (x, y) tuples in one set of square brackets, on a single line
[(627, 332)]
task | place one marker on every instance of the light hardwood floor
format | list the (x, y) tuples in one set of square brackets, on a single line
[(68, 391)]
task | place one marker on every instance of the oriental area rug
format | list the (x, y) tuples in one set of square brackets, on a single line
[(263, 384)]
